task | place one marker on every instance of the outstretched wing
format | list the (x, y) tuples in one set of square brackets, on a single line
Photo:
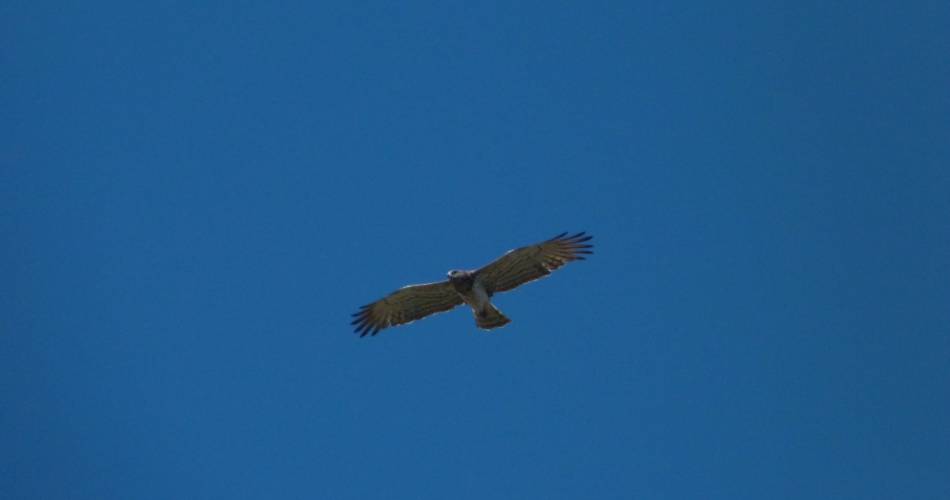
[(405, 305), (525, 264)]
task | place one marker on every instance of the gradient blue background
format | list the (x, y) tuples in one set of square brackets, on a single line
[(195, 198)]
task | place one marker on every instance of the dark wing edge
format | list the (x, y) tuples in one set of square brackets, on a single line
[(526, 264), (405, 305)]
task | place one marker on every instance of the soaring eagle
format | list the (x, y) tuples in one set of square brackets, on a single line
[(474, 288)]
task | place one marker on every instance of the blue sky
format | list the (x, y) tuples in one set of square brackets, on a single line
[(193, 199)]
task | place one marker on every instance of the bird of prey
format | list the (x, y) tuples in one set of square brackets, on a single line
[(474, 288)]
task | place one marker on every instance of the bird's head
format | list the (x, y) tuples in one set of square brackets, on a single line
[(456, 274)]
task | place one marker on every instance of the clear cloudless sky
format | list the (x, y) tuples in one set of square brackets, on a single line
[(194, 196)]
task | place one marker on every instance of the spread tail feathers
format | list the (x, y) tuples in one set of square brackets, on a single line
[(490, 317)]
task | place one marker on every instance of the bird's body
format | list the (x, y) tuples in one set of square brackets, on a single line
[(474, 288), (472, 291)]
